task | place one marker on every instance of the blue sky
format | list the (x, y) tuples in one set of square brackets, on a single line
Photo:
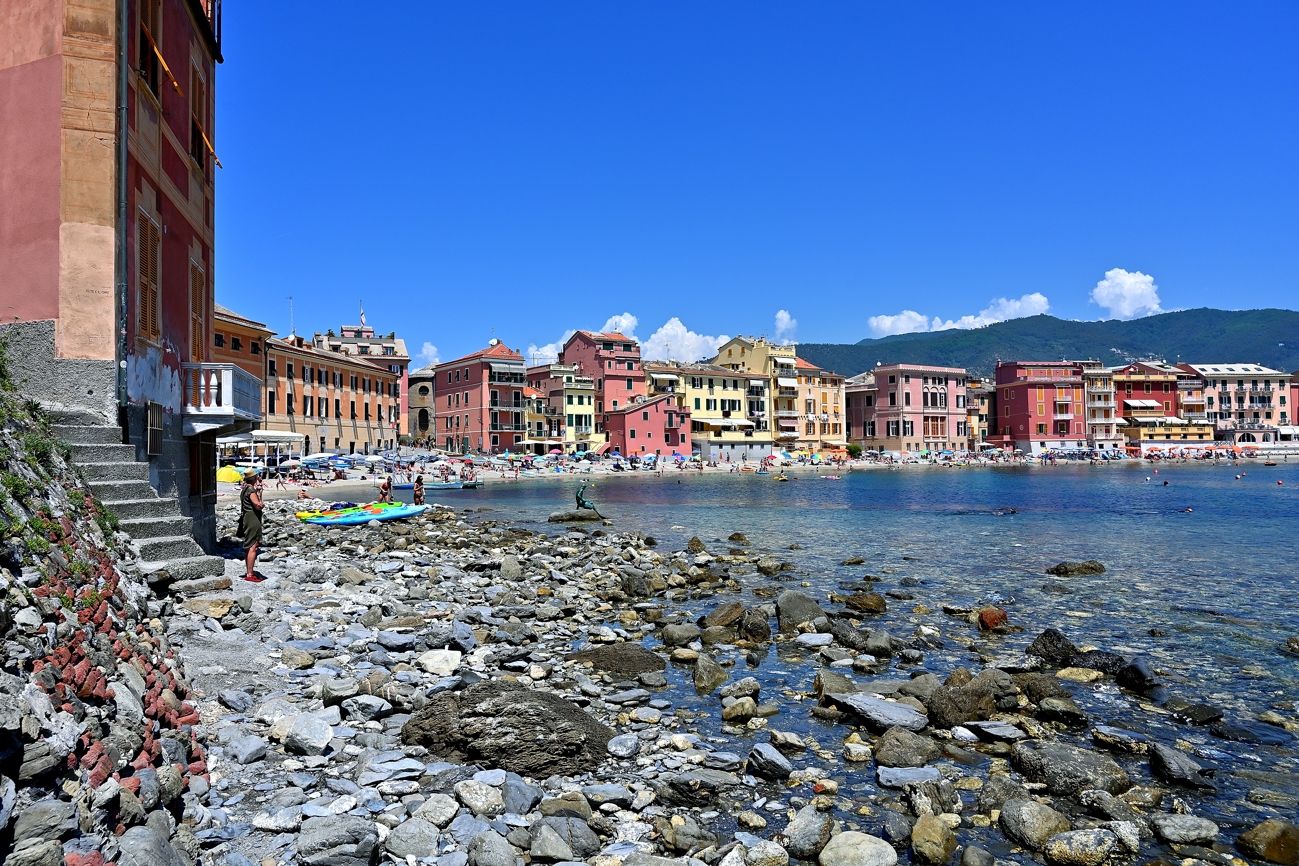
[(518, 170)]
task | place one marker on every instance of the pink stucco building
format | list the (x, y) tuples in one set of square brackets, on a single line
[(614, 362), (908, 407), (658, 425), (478, 402)]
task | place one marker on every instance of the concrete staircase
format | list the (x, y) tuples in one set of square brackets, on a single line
[(160, 531)]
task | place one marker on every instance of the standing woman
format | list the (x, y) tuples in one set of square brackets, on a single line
[(385, 489), (418, 490), (250, 521)]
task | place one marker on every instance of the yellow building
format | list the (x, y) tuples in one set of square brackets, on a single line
[(820, 401), (569, 407), (728, 408)]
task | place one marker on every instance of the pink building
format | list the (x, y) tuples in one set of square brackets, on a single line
[(614, 362), (478, 402), (1040, 406), (908, 407), (657, 425)]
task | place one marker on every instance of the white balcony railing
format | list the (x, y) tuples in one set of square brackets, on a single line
[(217, 395)]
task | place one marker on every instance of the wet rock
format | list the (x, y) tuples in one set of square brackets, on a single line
[(754, 626), (1062, 710), (1099, 660), (1119, 740), (766, 853), (695, 787), (1136, 676), (679, 634), (992, 619), (932, 841), (414, 837), (976, 856), (851, 848), (768, 566), (1075, 569), (581, 516), (1194, 714), (995, 732), (1174, 766), (490, 848), (1066, 770), (867, 602), (1108, 806), (900, 747), (628, 659), (1031, 823), (740, 711), (998, 791), (1183, 829), (1052, 647), (900, 777), (766, 761), (1080, 848), (794, 608), (528, 732), (708, 674), (726, 616), (879, 713), (808, 832), (1274, 840), (977, 700)]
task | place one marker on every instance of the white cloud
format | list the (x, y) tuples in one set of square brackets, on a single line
[(675, 342), (905, 322), (785, 324), (623, 323), (1127, 295), (428, 355), (548, 353), (998, 310)]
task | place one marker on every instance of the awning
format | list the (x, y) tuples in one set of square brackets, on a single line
[(277, 436), (1119, 422), (498, 367), (788, 362), (1142, 404), (667, 377), (236, 439), (786, 382)]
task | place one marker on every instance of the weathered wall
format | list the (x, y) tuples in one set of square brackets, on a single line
[(64, 383)]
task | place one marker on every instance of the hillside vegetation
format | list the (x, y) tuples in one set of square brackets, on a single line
[(1267, 337)]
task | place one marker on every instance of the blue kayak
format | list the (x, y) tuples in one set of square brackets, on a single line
[(355, 519)]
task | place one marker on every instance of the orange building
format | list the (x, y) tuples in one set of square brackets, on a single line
[(240, 341)]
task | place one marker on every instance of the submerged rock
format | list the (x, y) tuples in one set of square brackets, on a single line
[(1074, 569), (1066, 770)]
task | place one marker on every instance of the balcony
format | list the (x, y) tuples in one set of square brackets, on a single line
[(786, 392), (787, 413), (507, 378), (756, 392), (1062, 416), (580, 430), (217, 396), (496, 404), (502, 427)]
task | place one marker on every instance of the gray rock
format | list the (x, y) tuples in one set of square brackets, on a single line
[(367, 708), (766, 762), (237, 700), (976, 856), (37, 853), (900, 747), (580, 838), (807, 833), (413, 837), (932, 841), (47, 819), (1176, 767), (1067, 770), (309, 735), (490, 849), (480, 798), (996, 732), (246, 748), (1183, 829), (900, 777), (624, 746), (851, 848), (1274, 840), (881, 714), (1074, 569), (519, 797), (140, 846), (1031, 823), (708, 674), (794, 607), (598, 795), (1080, 847), (1052, 647), (679, 634), (339, 840), (547, 846), (438, 810), (997, 791), (766, 853), (465, 828), (977, 700)]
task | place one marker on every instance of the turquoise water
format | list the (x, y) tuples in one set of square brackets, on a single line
[(1220, 581)]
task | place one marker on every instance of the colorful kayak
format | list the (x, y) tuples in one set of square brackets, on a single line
[(347, 508), (395, 512)]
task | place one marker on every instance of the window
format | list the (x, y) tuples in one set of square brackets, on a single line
[(353, 381), (150, 294), (1041, 429), (219, 340), (353, 402), (270, 362), (893, 397), (908, 428), (696, 404), (306, 375), (150, 19), (367, 411), (236, 344), (631, 365), (338, 408), (906, 398), (254, 348), (270, 402), (644, 416), (198, 138), (322, 407), (633, 433), (306, 405), (629, 385)]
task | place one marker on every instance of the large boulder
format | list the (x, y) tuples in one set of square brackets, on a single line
[(851, 848), (1031, 823), (623, 658), (1080, 847), (1074, 569), (794, 607), (1275, 841), (1174, 766), (807, 833), (338, 840), (531, 733), (932, 841), (1052, 647), (1067, 770), (977, 700), (901, 748), (879, 713)]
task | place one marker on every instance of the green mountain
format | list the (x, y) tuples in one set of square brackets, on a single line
[(1267, 337)]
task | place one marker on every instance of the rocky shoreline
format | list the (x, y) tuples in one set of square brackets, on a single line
[(461, 690)]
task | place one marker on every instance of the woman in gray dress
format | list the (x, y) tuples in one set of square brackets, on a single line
[(250, 521)]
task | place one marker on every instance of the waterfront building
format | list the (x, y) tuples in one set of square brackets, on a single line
[(728, 408), (613, 361), (107, 197), (980, 412), (859, 407), (910, 408), (650, 425), (1243, 398), (389, 351), (569, 406), (240, 341), (341, 402), (537, 436), (1039, 406), (820, 403), (1104, 422), (479, 401), (776, 363)]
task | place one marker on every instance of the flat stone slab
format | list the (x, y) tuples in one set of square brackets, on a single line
[(583, 516), (993, 732), (900, 777), (882, 714)]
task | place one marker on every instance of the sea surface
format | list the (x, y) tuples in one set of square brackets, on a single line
[(1206, 559)]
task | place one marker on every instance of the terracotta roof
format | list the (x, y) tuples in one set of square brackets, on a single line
[(326, 356), (641, 404), (612, 335), (227, 313), (500, 351), (805, 365)]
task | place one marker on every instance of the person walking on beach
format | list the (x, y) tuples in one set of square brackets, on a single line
[(385, 489), (250, 521), (418, 490)]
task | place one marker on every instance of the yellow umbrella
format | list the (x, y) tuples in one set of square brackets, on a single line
[(229, 474)]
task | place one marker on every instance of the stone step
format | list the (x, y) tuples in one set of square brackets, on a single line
[(156, 527), (127, 508), (96, 452), (184, 568), (86, 434), (115, 471), (168, 547), (118, 490)]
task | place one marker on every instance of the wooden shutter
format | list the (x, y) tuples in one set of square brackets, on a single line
[(148, 239), (197, 313)]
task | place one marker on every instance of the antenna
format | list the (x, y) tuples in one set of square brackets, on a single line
[(292, 330)]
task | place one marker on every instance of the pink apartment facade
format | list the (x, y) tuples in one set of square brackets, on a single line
[(657, 425), (613, 361), (478, 402), (1040, 406), (908, 408)]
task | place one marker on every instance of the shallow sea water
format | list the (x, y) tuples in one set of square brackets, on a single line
[(1222, 581)]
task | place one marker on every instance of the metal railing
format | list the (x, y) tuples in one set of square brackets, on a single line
[(221, 390)]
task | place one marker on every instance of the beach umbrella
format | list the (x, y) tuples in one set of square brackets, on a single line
[(555, 451), (373, 458), (229, 474), (323, 455)]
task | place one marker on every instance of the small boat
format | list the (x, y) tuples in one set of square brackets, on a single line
[(396, 512), (782, 477), (1269, 462), (830, 477), (403, 487), (453, 485)]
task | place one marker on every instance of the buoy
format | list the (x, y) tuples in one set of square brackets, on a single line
[(1279, 481)]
